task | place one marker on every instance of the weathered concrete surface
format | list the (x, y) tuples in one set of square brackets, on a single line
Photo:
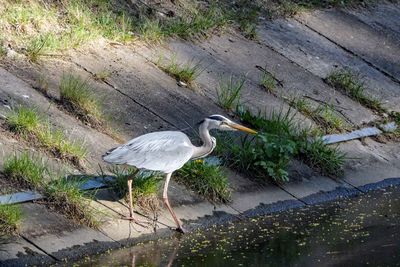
[(15, 91), (383, 17), (56, 235), (146, 84), (370, 161), (306, 182), (320, 56), (15, 251), (129, 118), (346, 30), (231, 53)]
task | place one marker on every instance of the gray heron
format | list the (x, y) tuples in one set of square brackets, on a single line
[(168, 151)]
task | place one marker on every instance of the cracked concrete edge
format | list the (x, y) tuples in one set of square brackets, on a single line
[(218, 217)]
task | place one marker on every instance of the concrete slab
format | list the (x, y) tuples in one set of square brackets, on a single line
[(320, 56), (15, 251), (370, 161), (16, 91), (231, 53), (243, 201), (383, 17), (147, 85), (305, 183), (349, 32), (56, 235), (111, 213), (128, 117), (313, 185)]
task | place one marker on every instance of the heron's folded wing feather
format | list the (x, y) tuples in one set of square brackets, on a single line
[(159, 151)]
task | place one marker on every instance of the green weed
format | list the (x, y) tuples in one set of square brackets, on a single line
[(327, 159), (278, 142), (3, 51), (324, 115), (62, 194), (352, 86), (23, 120), (26, 170), (207, 180), (245, 13), (199, 23), (102, 75), (151, 31), (144, 186), (10, 216), (268, 82), (77, 96), (66, 197), (228, 92), (31, 126), (186, 73), (329, 119)]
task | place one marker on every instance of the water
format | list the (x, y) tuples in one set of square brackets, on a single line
[(360, 231)]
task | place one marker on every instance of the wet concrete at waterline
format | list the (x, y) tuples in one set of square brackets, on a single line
[(363, 230)]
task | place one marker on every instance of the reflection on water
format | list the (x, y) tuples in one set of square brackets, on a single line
[(359, 231)]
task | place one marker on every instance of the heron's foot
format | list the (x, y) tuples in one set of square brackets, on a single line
[(181, 230)]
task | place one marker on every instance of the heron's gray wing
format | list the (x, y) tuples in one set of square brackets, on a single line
[(159, 151)]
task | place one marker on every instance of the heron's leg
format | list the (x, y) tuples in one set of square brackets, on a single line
[(130, 198), (166, 202), (131, 217)]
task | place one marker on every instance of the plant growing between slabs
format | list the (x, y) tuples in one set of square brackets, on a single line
[(229, 91), (207, 180), (30, 125), (62, 194), (10, 216), (279, 140), (351, 84), (186, 72), (144, 189)]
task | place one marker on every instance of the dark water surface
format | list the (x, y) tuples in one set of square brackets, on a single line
[(361, 231)]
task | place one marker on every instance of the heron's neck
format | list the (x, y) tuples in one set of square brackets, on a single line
[(207, 147)]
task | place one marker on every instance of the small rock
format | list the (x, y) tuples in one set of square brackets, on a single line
[(25, 96), (182, 84)]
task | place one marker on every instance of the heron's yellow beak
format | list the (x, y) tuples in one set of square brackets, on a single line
[(242, 128)]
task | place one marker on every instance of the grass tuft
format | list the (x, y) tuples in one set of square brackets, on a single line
[(10, 216), (229, 92), (328, 160), (199, 23), (66, 197), (151, 31), (352, 86), (31, 126), (144, 187), (186, 73), (26, 170), (78, 97), (324, 115), (62, 194), (268, 82), (207, 180)]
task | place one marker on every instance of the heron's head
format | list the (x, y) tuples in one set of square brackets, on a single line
[(222, 123)]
